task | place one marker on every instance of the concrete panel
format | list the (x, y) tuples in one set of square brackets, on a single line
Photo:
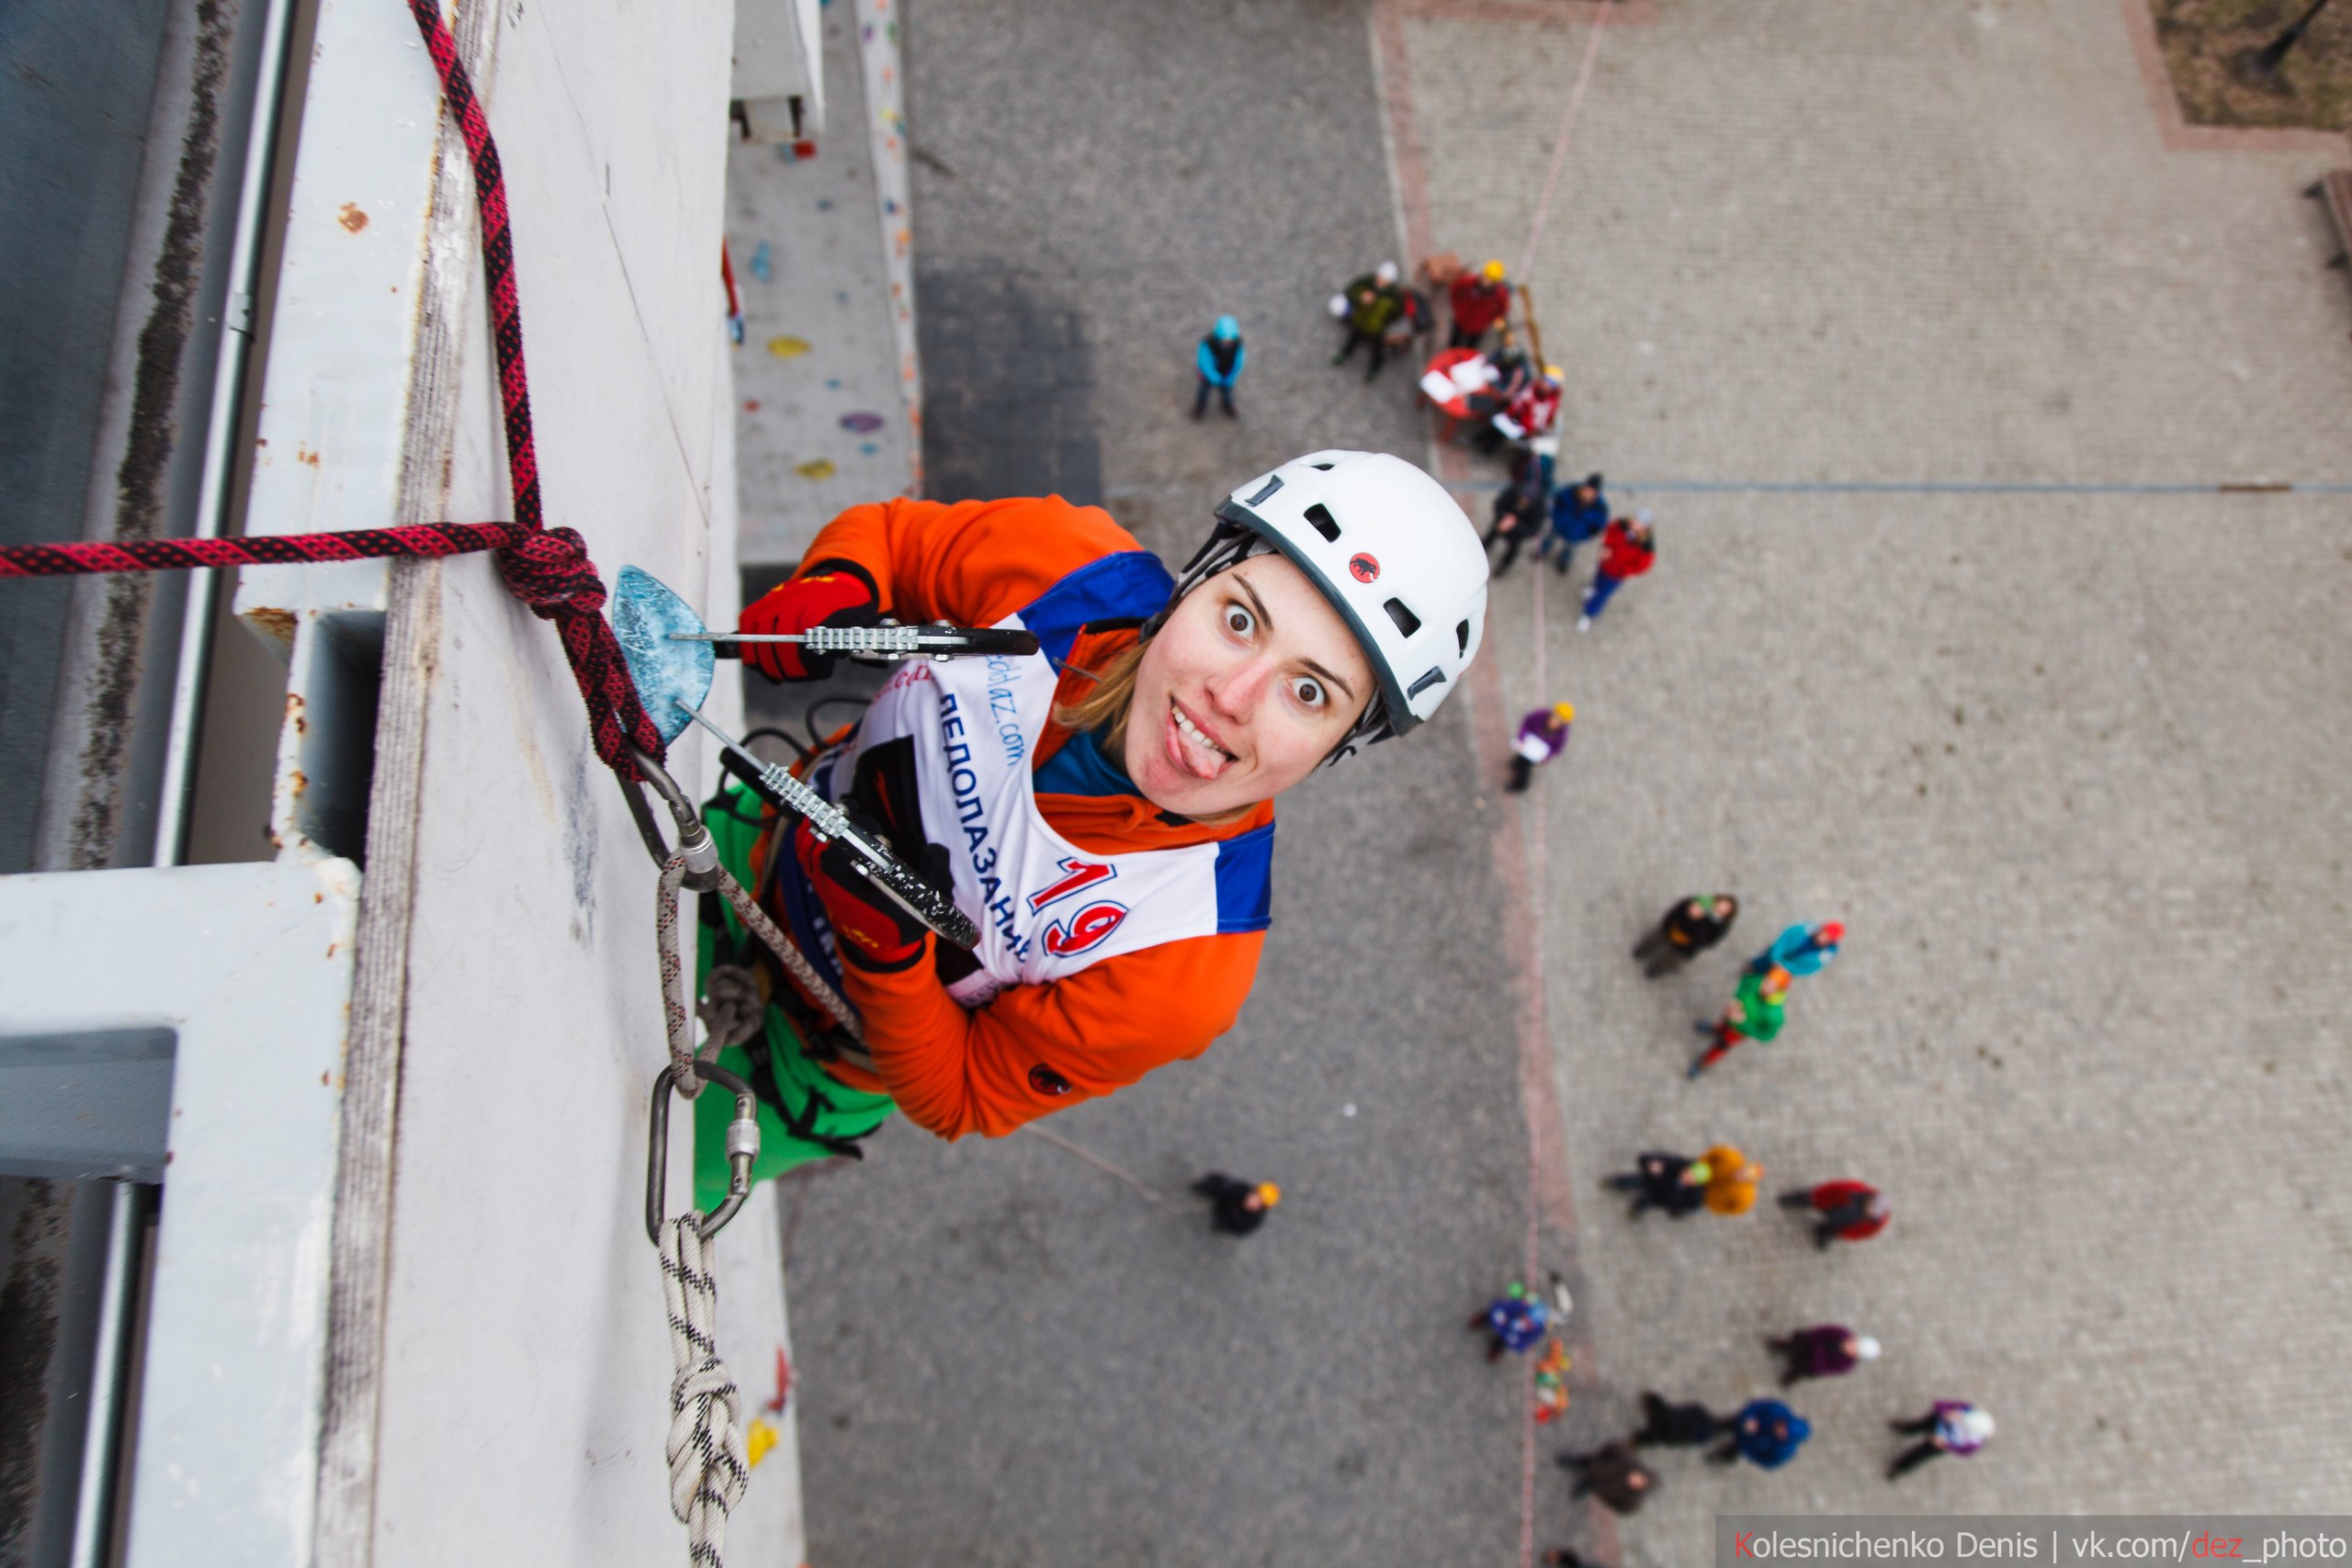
[(250, 968)]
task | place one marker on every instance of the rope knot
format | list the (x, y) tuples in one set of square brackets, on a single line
[(732, 1006), (708, 1469), (550, 571)]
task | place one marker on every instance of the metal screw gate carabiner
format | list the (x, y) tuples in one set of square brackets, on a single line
[(742, 1149)]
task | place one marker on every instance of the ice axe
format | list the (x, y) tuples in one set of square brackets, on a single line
[(670, 658)]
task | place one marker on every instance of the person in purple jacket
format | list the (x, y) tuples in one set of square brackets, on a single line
[(1542, 735), (1825, 1350), (1953, 1427)]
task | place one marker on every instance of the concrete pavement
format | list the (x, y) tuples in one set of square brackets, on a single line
[(2068, 766), (1008, 1356)]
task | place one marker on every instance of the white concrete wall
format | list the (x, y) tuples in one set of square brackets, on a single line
[(524, 1361)]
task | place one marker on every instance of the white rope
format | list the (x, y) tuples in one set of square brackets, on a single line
[(708, 1469)]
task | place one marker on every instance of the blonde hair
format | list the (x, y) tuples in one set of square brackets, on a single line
[(1103, 710)]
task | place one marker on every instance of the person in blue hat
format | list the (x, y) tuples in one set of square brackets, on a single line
[(1766, 1433), (1219, 362)]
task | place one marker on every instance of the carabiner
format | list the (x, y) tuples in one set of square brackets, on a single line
[(693, 839), (742, 1149)]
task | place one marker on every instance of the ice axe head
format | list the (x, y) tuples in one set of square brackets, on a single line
[(673, 678)]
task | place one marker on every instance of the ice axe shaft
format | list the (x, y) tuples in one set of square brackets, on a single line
[(881, 864), (880, 642)]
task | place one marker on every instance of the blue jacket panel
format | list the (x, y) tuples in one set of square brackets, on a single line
[(1576, 524)]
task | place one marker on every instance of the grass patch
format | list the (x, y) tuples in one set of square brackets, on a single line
[(2201, 38)]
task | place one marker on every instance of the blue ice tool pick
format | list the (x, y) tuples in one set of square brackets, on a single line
[(670, 659)]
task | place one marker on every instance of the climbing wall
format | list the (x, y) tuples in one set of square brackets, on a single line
[(818, 231), (498, 1359)]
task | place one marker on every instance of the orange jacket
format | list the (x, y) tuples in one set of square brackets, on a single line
[(1031, 1050)]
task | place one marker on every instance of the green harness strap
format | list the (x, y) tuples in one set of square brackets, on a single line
[(805, 1113)]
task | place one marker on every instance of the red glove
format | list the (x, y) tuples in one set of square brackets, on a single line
[(870, 931), (836, 594)]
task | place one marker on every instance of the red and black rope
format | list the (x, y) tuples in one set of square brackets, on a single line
[(547, 568)]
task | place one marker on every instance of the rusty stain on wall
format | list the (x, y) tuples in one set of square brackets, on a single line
[(352, 218)]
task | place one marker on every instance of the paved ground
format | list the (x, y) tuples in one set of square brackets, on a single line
[(1010, 1358), (2069, 767)]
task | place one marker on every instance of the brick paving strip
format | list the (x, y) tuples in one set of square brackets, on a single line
[(1522, 854)]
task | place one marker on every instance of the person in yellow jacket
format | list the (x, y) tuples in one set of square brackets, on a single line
[(1731, 1180)]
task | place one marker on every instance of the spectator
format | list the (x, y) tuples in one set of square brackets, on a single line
[(1627, 549), (1220, 360), (1519, 507), (1542, 735), (1756, 1011), (1579, 512), (1414, 317), (1369, 305), (1849, 1211), (1766, 1433), (1237, 1208), (1688, 929), (1530, 412), (1514, 1321), (1825, 1350), (1669, 1425), (1801, 950), (1953, 1427), (1480, 301), (1612, 1473), (1675, 1183), (1731, 1180)]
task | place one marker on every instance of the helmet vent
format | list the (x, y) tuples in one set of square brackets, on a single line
[(1432, 678), (1325, 467), (1406, 622), (1462, 637), (1325, 524)]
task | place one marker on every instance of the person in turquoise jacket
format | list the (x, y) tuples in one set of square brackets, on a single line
[(1799, 950), (1220, 360)]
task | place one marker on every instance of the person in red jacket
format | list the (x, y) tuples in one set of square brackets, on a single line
[(1848, 1211), (1101, 810), (1480, 301), (1627, 549)]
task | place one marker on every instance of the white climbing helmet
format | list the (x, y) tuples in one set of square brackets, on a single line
[(1395, 554)]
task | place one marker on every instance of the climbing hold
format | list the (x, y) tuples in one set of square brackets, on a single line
[(783, 1383), (816, 468), (861, 422), (787, 348), (751, 405), (758, 1438), (868, 447), (763, 263)]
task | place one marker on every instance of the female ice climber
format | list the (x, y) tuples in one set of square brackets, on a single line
[(1101, 810)]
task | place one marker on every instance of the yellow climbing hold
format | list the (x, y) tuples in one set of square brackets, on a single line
[(816, 468), (758, 1438), (787, 348)]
